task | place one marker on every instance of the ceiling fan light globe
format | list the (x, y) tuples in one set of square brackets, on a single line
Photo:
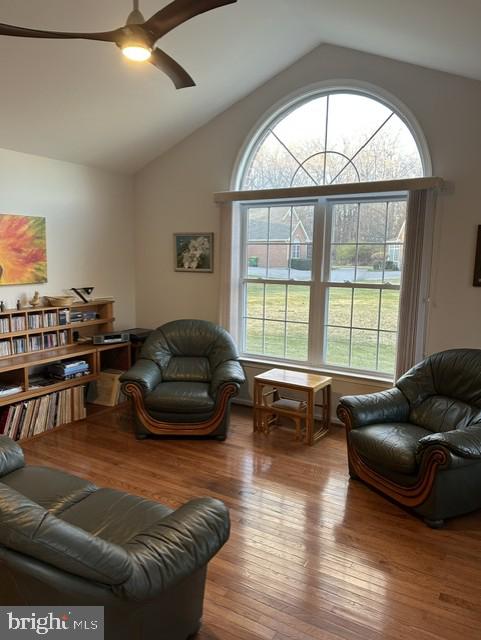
[(136, 53)]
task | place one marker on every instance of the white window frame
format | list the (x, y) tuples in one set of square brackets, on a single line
[(319, 283)]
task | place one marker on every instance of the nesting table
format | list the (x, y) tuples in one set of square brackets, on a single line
[(269, 405)]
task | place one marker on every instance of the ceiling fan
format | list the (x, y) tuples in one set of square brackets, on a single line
[(138, 37)]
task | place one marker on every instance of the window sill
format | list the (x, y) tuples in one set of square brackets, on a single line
[(337, 374)]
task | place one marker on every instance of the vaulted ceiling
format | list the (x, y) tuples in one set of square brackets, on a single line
[(83, 102)]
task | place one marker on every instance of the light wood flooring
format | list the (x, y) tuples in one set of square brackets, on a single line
[(312, 555)]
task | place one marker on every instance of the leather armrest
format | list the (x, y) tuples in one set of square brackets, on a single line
[(465, 443), (384, 406), (11, 456), (175, 547), (228, 371), (144, 373)]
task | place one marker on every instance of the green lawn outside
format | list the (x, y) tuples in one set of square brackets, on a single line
[(291, 303)]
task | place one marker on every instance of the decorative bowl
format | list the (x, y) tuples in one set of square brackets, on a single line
[(60, 301)]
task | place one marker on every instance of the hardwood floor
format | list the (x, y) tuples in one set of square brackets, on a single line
[(312, 555)]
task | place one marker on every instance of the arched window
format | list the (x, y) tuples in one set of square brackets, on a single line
[(320, 277), (333, 138)]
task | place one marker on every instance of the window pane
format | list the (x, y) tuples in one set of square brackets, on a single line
[(366, 309), (370, 263), (394, 263), (337, 346), (280, 224), (278, 266), (340, 302), (257, 260), (257, 224), (298, 300), (297, 341), (274, 338), (271, 166), (372, 222), (254, 336), (364, 349), (301, 262), (343, 259), (387, 352), (275, 306), (255, 300), (344, 222), (389, 310), (302, 223), (396, 220)]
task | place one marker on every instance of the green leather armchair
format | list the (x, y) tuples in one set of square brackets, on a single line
[(184, 380), (420, 442)]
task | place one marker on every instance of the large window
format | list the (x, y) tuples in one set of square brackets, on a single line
[(320, 278)]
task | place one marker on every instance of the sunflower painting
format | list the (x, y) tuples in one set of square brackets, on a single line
[(23, 250)]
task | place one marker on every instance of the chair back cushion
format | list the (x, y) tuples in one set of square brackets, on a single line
[(189, 347), (444, 390), (187, 368)]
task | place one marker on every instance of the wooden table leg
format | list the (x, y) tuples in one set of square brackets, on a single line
[(257, 393), (310, 418)]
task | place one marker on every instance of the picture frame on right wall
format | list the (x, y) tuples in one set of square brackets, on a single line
[(477, 262)]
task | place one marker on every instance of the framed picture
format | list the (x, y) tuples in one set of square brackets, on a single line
[(477, 262), (194, 252), (23, 250)]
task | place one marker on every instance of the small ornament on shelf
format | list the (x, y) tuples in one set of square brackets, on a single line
[(35, 301), (19, 306), (2, 306)]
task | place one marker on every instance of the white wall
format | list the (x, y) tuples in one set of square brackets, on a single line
[(89, 227), (174, 193)]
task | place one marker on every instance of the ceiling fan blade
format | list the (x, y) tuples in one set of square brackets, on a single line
[(11, 30), (180, 11), (170, 67)]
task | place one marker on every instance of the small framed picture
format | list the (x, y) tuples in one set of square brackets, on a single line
[(194, 252)]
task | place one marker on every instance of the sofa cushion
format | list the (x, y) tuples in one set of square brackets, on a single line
[(392, 446), (180, 397), (183, 368), (440, 414), (54, 490), (115, 516)]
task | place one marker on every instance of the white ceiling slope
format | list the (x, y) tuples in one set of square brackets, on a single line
[(82, 102)]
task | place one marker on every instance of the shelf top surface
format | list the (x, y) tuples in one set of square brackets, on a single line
[(75, 305)]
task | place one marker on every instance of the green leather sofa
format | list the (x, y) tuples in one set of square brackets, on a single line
[(420, 442), (66, 542), (183, 382)]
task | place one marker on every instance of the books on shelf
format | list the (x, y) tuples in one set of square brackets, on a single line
[(50, 318), (35, 343), (68, 369), (5, 348), (63, 316), (26, 419), (4, 325), (19, 345), (82, 316), (35, 321), (18, 323), (50, 340)]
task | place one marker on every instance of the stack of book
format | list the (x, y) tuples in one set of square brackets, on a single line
[(69, 369), (10, 389), (27, 419), (4, 325), (82, 316), (63, 337)]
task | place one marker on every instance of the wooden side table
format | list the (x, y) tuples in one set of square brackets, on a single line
[(308, 383)]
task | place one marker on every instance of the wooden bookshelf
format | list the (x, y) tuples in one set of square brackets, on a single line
[(23, 369)]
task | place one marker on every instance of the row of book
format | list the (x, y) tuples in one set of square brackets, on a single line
[(68, 369), (19, 345), (82, 316), (27, 419), (5, 348), (35, 321), (4, 325)]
